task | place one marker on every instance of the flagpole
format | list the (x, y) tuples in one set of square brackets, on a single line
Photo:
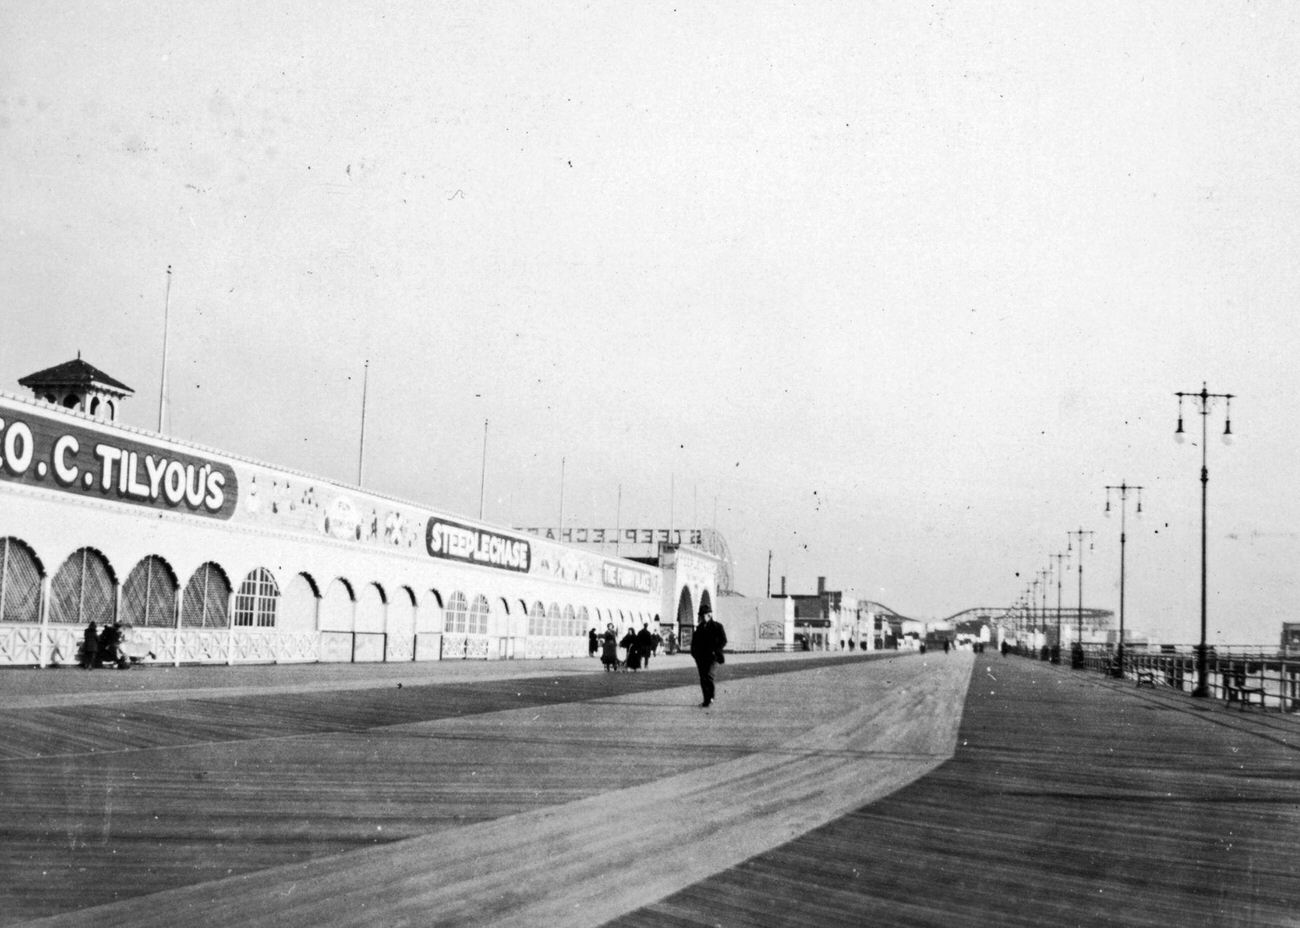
[(361, 450), (162, 386), (560, 532), (482, 477)]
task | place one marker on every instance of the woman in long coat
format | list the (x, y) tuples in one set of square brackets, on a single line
[(609, 648), (633, 650)]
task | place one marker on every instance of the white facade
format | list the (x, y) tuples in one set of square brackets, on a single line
[(212, 558), (756, 623)]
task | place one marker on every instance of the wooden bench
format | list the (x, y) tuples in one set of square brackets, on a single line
[(1146, 677), (1242, 694)]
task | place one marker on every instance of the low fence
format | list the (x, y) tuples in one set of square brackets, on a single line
[(1236, 675)]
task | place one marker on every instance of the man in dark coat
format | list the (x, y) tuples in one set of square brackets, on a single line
[(90, 647), (645, 642), (706, 649)]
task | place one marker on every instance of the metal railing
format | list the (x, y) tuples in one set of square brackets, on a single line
[(1245, 675)]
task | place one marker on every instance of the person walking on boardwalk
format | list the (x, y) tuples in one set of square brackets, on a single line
[(633, 650), (645, 642), (609, 648), (706, 649), (593, 643), (90, 647)]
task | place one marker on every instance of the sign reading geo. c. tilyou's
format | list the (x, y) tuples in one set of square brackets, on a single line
[(448, 539), (44, 451)]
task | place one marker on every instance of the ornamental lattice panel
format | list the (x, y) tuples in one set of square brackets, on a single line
[(20, 584), (82, 590), (20, 646)]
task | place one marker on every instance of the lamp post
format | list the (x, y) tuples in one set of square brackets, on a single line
[(1204, 399), (1123, 490), (1076, 652), (1025, 618), (1060, 575), (1046, 573), (1033, 614)]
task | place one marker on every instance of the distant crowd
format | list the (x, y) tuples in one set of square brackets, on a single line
[(637, 647)]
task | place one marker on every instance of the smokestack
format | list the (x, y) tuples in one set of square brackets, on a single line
[(821, 585), (783, 586)]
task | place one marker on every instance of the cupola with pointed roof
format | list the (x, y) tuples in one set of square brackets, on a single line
[(79, 385)]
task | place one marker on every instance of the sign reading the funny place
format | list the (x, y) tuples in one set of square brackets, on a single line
[(623, 577)]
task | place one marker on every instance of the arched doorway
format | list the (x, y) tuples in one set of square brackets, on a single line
[(371, 621), (337, 621), (685, 618), (299, 604), (401, 626)]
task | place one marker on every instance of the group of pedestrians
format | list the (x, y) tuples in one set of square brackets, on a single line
[(100, 646), (110, 646), (638, 647), (707, 644)]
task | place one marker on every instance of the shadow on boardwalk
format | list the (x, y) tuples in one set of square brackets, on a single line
[(1072, 800), (507, 794)]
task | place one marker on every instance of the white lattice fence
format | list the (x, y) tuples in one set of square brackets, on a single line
[(203, 646), (20, 645), (297, 647)]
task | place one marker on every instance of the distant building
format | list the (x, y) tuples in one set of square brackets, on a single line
[(756, 623)]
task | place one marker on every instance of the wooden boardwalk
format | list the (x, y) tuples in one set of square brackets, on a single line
[(845, 790)]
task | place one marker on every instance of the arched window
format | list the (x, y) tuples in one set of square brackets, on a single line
[(149, 594), (20, 582), (255, 602), (457, 610), (570, 621), (478, 616), (83, 590), (537, 619), (206, 602), (553, 620), (584, 620)]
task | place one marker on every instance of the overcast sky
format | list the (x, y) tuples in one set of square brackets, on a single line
[(893, 289)]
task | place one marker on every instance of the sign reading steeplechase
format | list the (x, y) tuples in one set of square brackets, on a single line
[(457, 542), (626, 536), (43, 451)]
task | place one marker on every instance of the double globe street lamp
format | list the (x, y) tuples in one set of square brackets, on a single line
[(1204, 400), (1076, 652), (1122, 490), (1060, 574)]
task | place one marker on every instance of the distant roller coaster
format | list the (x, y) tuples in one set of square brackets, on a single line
[(1094, 618), (716, 545)]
